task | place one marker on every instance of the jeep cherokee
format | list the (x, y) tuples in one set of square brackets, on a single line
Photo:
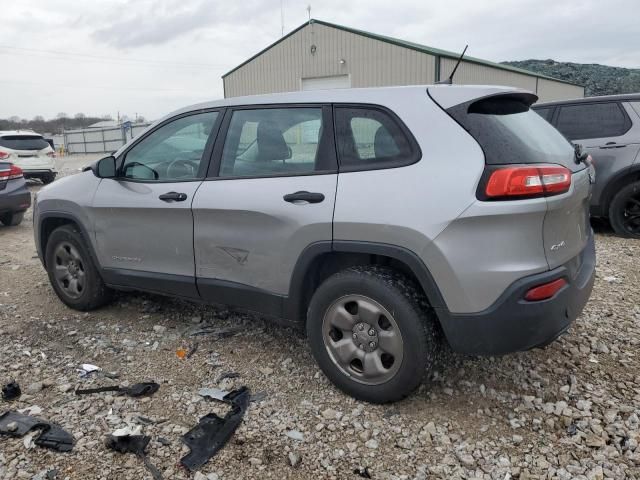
[(382, 219)]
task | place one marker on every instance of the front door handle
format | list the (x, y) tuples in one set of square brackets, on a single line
[(173, 196), (309, 197)]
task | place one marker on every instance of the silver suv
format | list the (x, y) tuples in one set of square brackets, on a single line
[(609, 129), (386, 221)]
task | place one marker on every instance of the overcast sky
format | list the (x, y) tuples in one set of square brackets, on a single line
[(153, 56)]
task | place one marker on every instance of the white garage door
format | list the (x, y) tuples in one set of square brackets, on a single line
[(324, 83)]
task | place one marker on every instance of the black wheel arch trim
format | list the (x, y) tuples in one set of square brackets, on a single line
[(626, 175), (295, 298), (41, 248)]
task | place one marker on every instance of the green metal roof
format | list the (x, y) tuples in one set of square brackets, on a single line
[(406, 44)]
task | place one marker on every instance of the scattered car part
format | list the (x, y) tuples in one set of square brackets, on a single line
[(226, 375), (135, 444), (136, 390), (87, 368), (53, 436), (363, 472), (214, 331), (213, 432), (11, 391), (258, 397), (214, 393)]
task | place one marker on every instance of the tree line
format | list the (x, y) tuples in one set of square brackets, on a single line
[(61, 122)]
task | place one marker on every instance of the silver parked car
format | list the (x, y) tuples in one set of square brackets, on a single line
[(384, 220), (608, 128)]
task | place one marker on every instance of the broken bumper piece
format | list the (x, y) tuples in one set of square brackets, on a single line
[(52, 436), (212, 432)]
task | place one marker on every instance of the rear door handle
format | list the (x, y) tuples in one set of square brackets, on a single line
[(173, 196), (612, 145), (309, 197)]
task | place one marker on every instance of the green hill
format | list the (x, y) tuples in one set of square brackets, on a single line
[(597, 79)]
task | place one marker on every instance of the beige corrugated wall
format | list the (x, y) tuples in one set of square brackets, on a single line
[(369, 62), (549, 90), (473, 74)]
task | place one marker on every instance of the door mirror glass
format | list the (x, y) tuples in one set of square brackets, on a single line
[(105, 167)]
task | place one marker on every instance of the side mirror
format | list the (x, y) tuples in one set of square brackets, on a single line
[(105, 167), (581, 154)]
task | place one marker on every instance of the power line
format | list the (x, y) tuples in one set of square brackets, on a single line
[(104, 57), (103, 87)]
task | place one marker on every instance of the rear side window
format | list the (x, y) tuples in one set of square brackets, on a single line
[(370, 138), (23, 142), (510, 132), (595, 120), (275, 141), (545, 113)]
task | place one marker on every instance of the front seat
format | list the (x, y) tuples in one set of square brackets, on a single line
[(384, 145), (271, 143)]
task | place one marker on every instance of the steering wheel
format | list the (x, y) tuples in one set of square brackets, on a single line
[(188, 168), (138, 164)]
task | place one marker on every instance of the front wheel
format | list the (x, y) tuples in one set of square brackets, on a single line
[(372, 333), (624, 212), (72, 272)]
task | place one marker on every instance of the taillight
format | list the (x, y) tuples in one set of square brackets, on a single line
[(527, 181), (51, 154), (11, 173), (4, 155), (545, 291)]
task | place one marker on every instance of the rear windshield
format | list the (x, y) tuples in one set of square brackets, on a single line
[(510, 132), (23, 142)]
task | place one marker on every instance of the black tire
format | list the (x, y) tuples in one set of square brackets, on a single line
[(48, 178), (624, 211), (12, 219), (412, 316), (94, 293)]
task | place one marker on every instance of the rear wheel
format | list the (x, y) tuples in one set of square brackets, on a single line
[(12, 219), (372, 333), (72, 273), (624, 212)]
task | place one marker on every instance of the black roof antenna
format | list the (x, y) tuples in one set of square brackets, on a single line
[(449, 81)]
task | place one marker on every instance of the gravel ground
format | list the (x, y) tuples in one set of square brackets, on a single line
[(568, 411)]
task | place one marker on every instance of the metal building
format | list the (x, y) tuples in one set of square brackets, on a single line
[(324, 55)]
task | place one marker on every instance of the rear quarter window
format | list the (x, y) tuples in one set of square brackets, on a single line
[(23, 142), (371, 138)]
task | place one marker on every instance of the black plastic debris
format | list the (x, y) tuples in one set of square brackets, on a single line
[(136, 444), (572, 429), (11, 391), (363, 472), (17, 425), (137, 390), (212, 432), (215, 331), (226, 375)]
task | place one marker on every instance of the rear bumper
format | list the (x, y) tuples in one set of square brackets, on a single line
[(512, 324), (14, 198), (38, 172)]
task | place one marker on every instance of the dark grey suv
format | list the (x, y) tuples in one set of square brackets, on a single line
[(609, 129)]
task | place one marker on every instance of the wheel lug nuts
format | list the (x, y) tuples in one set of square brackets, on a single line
[(355, 335), (372, 344), (361, 346), (372, 332), (360, 327)]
